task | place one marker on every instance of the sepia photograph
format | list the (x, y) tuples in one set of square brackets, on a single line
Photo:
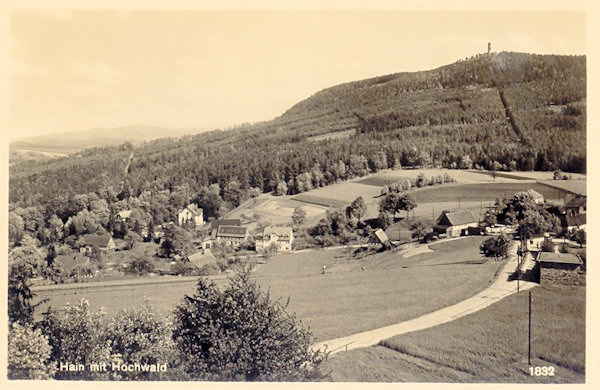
[(323, 192)]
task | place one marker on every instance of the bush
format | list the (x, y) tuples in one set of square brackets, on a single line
[(139, 266), (496, 246), (28, 353), (547, 246), (140, 335), (240, 334), (77, 335)]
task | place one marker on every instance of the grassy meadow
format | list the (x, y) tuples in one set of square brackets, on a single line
[(345, 300), (490, 345), (392, 288)]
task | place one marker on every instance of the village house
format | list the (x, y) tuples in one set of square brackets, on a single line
[(279, 236), (102, 242), (560, 268), (231, 235), (191, 214), (455, 223)]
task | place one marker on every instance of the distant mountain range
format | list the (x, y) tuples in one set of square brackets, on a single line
[(73, 141)]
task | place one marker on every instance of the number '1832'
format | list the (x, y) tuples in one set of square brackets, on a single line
[(541, 371)]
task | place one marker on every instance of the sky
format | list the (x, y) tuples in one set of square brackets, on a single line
[(205, 69)]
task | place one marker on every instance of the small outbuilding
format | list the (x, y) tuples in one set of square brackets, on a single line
[(560, 268), (379, 237)]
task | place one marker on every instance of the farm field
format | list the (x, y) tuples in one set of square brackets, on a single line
[(392, 288), (487, 346), (347, 299), (475, 190), (482, 192), (275, 210), (575, 186), (111, 299), (460, 175)]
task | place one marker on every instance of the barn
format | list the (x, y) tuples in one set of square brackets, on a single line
[(454, 223)]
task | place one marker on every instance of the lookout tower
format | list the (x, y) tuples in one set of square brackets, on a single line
[(489, 47)]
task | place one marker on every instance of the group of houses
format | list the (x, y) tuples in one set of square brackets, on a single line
[(228, 232)]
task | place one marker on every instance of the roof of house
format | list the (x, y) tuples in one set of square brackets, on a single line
[(561, 258), (459, 217), (379, 235), (229, 222), (232, 231), (69, 262), (577, 201), (280, 231), (534, 194), (202, 258), (97, 240), (123, 214), (194, 209)]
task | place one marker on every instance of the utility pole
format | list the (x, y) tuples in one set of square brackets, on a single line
[(529, 335), (518, 267)]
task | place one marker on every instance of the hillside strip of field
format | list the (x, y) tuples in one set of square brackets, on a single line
[(482, 192)]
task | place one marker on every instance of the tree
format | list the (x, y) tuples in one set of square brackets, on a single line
[(141, 335), (24, 262), (419, 229), (357, 208), (496, 246), (16, 227), (298, 217), (384, 220), (28, 353), (304, 182), (210, 201), (534, 224), (176, 241), (139, 266), (577, 235), (66, 330), (465, 162), (55, 226), (281, 188), (239, 333)]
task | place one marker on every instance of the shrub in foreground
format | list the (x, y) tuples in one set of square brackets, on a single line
[(241, 334)]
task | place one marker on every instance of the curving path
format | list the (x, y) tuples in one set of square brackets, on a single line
[(499, 289)]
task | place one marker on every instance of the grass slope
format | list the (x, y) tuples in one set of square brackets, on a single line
[(391, 289), (490, 345)]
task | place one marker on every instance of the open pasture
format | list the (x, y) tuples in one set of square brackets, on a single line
[(344, 300), (483, 192), (490, 345), (391, 288)]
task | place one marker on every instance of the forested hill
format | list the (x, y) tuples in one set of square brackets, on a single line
[(506, 111)]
